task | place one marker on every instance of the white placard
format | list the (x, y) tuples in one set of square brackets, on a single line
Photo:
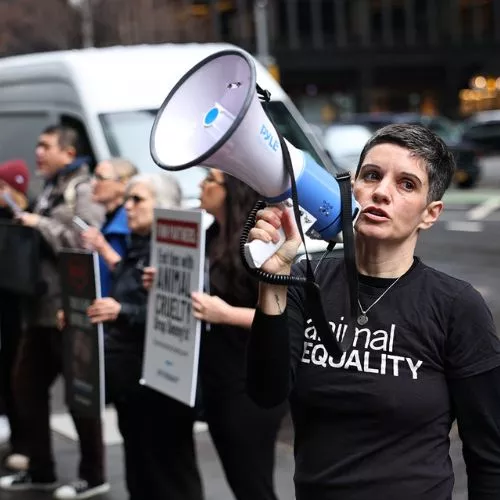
[(172, 333)]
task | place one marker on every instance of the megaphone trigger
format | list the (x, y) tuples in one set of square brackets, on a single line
[(257, 252)]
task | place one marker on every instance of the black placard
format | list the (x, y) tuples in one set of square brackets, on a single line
[(83, 341)]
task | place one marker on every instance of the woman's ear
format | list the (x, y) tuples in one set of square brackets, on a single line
[(431, 214)]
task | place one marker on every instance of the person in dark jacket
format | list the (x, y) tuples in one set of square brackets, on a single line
[(14, 182), (243, 433), (160, 459), (108, 188), (61, 161)]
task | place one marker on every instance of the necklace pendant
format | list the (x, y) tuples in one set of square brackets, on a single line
[(362, 319)]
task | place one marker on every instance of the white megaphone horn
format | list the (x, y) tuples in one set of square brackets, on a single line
[(213, 116)]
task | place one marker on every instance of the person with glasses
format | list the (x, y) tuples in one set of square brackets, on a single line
[(374, 423), (108, 188), (157, 431), (244, 435)]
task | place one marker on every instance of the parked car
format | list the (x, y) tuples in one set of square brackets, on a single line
[(344, 143), (483, 131), (466, 152)]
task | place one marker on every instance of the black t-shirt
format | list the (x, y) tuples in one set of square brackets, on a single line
[(375, 425)]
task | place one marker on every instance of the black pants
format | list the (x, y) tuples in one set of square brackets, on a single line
[(10, 336), (38, 364), (160, 457), (245, 438)]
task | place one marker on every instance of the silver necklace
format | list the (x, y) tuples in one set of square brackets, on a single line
[(363, 318)]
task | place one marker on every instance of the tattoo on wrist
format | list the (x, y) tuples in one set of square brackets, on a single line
[(278, 303)]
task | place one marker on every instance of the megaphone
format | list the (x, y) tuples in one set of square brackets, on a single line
[(213, 116)]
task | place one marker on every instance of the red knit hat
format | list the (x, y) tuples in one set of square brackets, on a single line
[(16, 174)]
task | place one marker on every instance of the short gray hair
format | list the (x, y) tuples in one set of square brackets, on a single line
[(164, 187)]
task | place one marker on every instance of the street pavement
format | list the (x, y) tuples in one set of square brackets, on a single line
[(66, 453), (469, 251)]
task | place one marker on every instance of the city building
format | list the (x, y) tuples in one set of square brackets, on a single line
[(338, 56), (333, 57)]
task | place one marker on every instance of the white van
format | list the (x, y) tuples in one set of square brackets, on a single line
[(111, 95)]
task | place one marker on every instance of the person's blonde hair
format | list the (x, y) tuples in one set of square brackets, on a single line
[(123, 168)]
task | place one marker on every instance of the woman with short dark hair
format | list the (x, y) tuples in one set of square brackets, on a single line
[(374, 423)]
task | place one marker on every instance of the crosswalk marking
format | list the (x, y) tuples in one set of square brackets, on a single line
[(484, 209), (465, 226)]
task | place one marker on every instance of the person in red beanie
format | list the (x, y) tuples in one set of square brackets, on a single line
[(14, 182)]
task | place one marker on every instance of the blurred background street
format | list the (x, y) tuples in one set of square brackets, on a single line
[(349, 67)]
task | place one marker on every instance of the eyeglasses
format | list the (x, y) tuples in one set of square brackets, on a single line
[(99, 177), (212, 180), (134, 198)]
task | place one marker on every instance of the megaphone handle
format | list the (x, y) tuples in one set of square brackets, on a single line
[(258, 251)]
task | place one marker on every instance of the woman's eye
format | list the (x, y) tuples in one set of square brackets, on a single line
[(408, 185), (370, 175)]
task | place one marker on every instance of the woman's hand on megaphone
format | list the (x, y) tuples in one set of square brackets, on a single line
[(268, 223)]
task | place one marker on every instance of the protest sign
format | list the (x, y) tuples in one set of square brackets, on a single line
[(173, 334), (82, 341)]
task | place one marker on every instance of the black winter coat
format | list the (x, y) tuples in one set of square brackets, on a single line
[(124, 341)]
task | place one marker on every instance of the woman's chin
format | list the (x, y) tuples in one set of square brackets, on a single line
[(371, 232)]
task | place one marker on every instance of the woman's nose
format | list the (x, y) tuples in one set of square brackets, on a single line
[(381, 193)]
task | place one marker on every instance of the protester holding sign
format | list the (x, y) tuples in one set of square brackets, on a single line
[(14, 181), (157, 430), (244, 434), (374, 423)]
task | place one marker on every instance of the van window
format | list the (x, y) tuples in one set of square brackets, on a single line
[(290, 129), (128, 133), (18, 137)]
